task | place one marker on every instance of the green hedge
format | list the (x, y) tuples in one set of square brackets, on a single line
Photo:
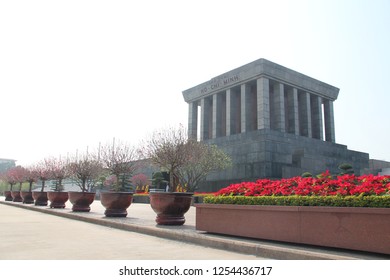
[(335, 201)]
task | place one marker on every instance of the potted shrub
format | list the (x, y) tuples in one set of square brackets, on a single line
[(30, 178), (84, 170), (347, 211), (59, 171), (11, 178), (20, 173), (4, 185), (42, 173), (188, 162), (120, 160)]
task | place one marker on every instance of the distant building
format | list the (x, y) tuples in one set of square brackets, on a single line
[(6, 164)]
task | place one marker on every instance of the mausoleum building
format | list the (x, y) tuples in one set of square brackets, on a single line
[(274, 122)]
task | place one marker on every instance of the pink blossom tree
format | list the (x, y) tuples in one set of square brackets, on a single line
[(140, 180), (42, 172), (59, 170), (20, 174), (31, 177), (10, 177)]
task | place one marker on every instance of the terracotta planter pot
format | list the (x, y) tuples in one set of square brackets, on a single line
[(27, 197), (81, 201), (16, 196), (57, 199), (40, 198), (8, 196), (170, 207), (116, 203), (364, 229)]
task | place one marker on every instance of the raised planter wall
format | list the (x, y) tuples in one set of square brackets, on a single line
[(364, 229)]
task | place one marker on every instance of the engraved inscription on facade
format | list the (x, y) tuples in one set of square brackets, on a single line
[(219, 82)]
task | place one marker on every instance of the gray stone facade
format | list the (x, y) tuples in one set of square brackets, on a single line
[(274, 122)]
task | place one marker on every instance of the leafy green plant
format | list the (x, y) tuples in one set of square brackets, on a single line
[(346, 168), (306, 175)]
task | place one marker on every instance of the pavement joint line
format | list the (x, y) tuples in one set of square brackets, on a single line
[(197, 237)]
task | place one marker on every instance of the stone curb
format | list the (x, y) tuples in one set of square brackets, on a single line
[(198, 238)]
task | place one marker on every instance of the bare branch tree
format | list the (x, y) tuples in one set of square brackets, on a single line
[(59, 170), (120, 159), (187, 160), (42, 171), (11, 177), (31, 177), (201, 160), (20, 174), (166, 148), (85, 170)]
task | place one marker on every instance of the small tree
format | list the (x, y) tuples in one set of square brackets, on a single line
[(120, 159), (59, 170), (31, 177), (158, 179), (167, 149), (11, 178), (140, 181), (187, 161), (346, 168), (201, 160), (306, 175), (20, 174), (85, 170), (42, 172)]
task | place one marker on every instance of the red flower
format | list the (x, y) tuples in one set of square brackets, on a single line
[(324, 185)]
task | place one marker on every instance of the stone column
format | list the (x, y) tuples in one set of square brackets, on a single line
[(305, 114), (278, 113), (293, 114), (329, 121), (263, 117), (193, 120), (205, 121), (316, 119), (244, 108), (229, 112), (215, 116)]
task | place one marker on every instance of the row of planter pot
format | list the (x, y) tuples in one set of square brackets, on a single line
[(169, 207), (354, 228)]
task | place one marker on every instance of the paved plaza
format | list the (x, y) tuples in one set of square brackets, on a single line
[(31, 232)]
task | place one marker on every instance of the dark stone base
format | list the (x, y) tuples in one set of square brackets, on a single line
[(272, 154)]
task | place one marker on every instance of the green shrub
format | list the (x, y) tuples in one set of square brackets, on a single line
[(294, 200), (306, 174)]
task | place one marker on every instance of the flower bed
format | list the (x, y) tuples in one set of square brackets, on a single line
[(349, 212), (324, 185)]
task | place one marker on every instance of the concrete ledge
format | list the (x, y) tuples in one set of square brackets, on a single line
[(145, 224)]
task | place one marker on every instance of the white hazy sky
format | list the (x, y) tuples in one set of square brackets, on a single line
[(76, 73)]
